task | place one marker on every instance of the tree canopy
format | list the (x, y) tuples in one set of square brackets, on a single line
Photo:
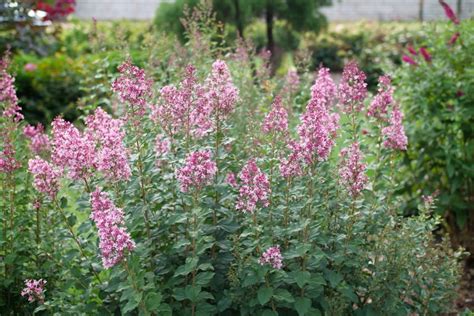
[(300, 15)]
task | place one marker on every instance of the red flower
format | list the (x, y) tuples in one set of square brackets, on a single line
[(454, 38), (412, 50), (426, 55), (449, 12), (409, 60)]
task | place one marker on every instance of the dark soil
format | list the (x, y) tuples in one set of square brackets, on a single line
[(466, 289)]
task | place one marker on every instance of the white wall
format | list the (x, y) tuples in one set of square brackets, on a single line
[(350, 10), (117, 9), (341, 10)]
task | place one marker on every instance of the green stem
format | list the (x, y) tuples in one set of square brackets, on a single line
[(142, 188), (141, 305), (74, 236), (267, 284)]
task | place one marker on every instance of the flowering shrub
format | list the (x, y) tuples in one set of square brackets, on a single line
[(436, 94), (209, 192)]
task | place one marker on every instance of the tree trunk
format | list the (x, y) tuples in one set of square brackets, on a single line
[(269, 20), (421, 10), (238, 19)]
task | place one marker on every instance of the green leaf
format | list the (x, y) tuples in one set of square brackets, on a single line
[(302, 278), (283, 295), (188, 267), (302, 305), (349, 293), (63, 202), (204, 278), (71, 220), (269, 312), (192, 293), (334, 278), (264, 294), (153, 301), (130, 306)]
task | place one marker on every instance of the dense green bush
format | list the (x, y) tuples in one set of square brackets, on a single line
[(373, 44), (344, 248), (438, 98)]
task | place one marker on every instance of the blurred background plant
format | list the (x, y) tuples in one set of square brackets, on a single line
[(437, 93)]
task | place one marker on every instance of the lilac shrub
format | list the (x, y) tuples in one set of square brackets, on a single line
[(218, 190)]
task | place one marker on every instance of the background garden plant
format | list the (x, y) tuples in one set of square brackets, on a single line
[(209, 187)]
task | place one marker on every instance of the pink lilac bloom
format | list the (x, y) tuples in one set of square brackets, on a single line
[(8, 96), (134, 87), (318, 125), (409, 60), (352, 89), (184, 108), (352, 170), (395, 133), (273, 257), (162, 148), (197, 172), (37, 204), (292, 82), (115, 241), (231, 180), (255, 188), (34, 290), (39, 141), (72, 149), (426, 55), (384, 98), (111, 156), (454, 38), (8, 162), (449, 12), (46, 176), (290, 167), (221, 93), (277, 119)]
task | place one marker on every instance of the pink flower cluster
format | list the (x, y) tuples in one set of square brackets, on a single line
[(162, 147), (197, 172), (318, 125), (11, 109), (352, 89), (193, 108), (39, 141), (292, 82), (183, 108), (72, 149), (8, 162), (220, 92), (277, 119), (114, 238), (395, 132), (99, 147), (273, 257), (134, 87), (352, 169), (231, 180), (46, 176), (291, 166), (34, 290), (111, 156), (384, 98), (255, 188)]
